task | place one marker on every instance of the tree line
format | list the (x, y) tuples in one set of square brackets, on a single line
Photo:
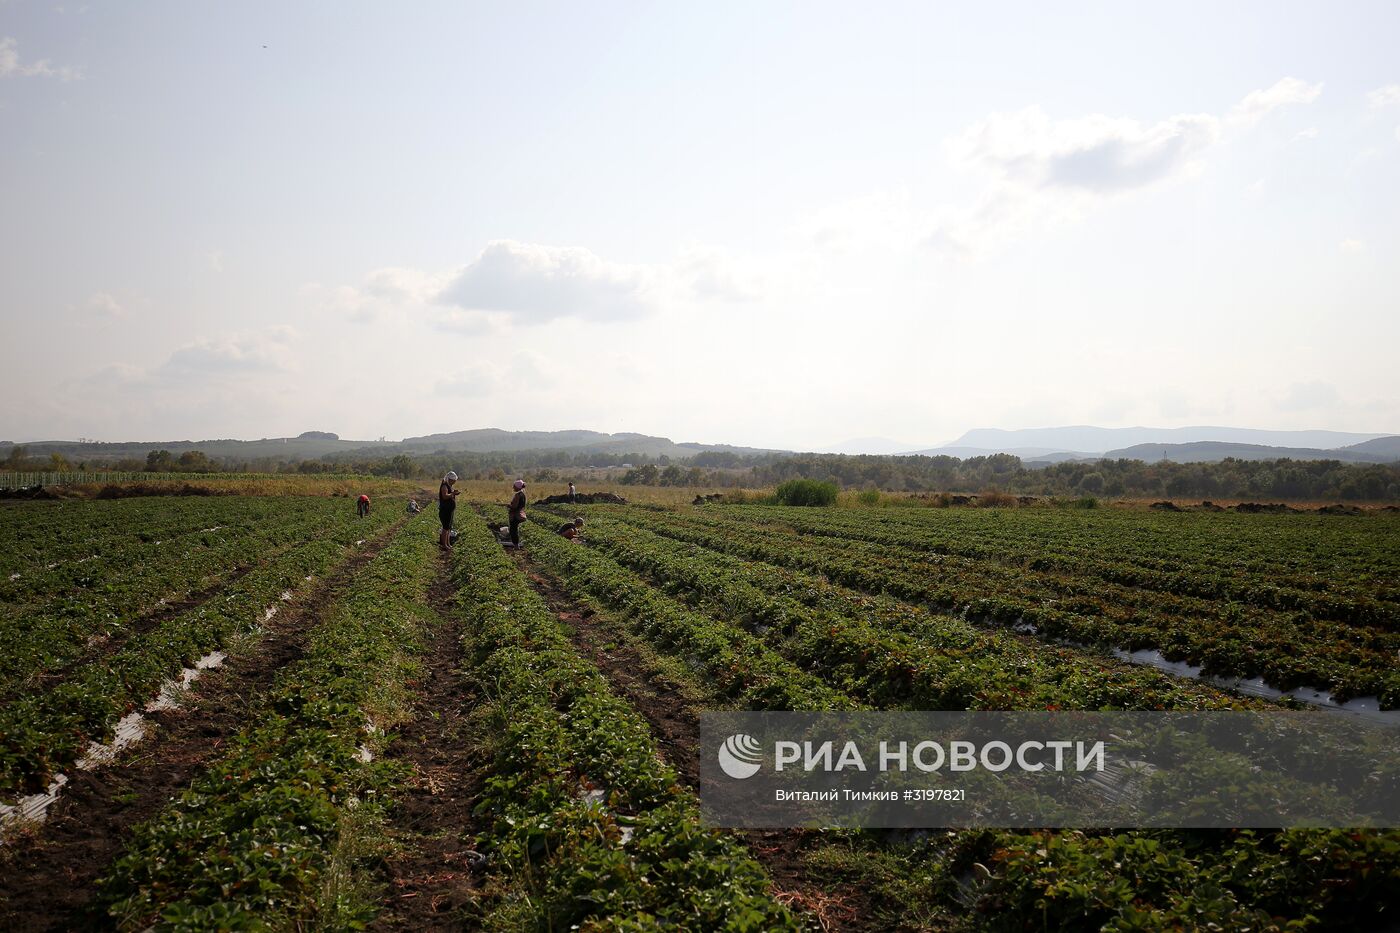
[(1227, 479)]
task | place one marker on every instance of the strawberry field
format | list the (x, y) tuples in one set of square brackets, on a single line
[(244, 712)]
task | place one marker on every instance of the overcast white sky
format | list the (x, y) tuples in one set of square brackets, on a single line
[(756, 223)]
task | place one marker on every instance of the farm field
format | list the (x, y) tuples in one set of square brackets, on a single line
[(334, 727)]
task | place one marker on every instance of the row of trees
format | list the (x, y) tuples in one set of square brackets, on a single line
[(1228, 479)]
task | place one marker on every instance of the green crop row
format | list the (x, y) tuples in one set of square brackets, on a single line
[(1286, 654), (116, 594), (269, 837), (36, 534), (1085, 554), (592, 828), (1276, 561), (883, 652), (44, 731), (1054, 880), (740, 666)]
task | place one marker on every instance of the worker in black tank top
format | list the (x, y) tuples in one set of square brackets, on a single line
[(447, 505)]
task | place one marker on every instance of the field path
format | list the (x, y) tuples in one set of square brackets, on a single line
[(436, 875), (48, 877), (676, 728)]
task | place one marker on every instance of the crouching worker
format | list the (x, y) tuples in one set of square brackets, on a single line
[(572, 530), (362, 506), (413, 508), (447, 506)]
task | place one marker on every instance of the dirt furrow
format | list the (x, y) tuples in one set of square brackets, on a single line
[(434, 879), (48, 877), (676, 728)]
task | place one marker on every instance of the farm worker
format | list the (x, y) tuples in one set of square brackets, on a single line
[(362, 506), (572, 494), (517, 512), (413, 508), (571, 529), (447, 504)]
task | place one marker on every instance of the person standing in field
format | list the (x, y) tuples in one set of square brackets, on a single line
[(447, 506), (517, 512), (572, 494), (362, 506)]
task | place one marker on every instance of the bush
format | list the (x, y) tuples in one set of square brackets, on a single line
[(807, 492), (869, 497)]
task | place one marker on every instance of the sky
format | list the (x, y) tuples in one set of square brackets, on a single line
[(771, 224)]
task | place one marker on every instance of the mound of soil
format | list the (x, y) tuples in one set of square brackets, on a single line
[(1254, 508), (1027, 500), (28, 492), (1208, 506), (1339, 509), (1165, 506), (583, 498), (712, 497), (961, 500)]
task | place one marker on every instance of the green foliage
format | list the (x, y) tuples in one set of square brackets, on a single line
[(584, 814), (807, 492), (265, 838)]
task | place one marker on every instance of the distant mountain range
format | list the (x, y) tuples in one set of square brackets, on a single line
[(1379, 450), (1035, 446), (1206, 443), (315, 444)]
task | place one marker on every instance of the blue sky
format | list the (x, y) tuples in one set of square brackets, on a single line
[(771, 224)]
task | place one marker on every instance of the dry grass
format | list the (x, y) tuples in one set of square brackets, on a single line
[(670, 496)]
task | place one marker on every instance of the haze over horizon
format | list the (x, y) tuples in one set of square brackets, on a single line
[(780, 226)]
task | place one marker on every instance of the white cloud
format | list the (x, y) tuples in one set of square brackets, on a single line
[(104, 304), (524, 372), (1309, 133), (1351, 245), (1384, 96), (535, 283), (11, 65), (1039, 173), (1284, 93), (711, 273), (1304, 396), (468, 383), (262, 352), (1095, 153)]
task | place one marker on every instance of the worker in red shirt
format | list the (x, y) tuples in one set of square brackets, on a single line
[(362, 506)]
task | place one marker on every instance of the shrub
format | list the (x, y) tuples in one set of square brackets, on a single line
[(806, 492), (868, 497)]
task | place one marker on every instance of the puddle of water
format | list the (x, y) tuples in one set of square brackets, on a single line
[(31, 809), (1365, 707), (130, 729)]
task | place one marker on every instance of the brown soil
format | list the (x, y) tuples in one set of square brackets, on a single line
[(48, 877), (673, 723), (676, 730), (435, 878)]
